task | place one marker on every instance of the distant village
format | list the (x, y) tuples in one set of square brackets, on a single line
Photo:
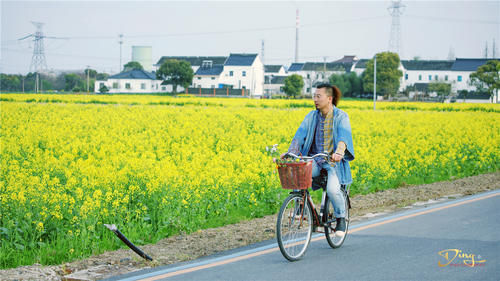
[(245, 74)]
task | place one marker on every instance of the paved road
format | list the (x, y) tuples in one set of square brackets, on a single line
[(401, 246)]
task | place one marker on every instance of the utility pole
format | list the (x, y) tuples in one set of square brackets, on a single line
[(297, 37), (88, 71), (374, 80), (324, 69), (121, 42)]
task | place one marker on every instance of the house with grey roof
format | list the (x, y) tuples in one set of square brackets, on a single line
[(195, 61), (274, 70), (317, 72), (133, 81), (243, 71), (207, 76), (273, 85)]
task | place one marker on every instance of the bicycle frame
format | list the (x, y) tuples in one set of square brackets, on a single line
[(318, 219)]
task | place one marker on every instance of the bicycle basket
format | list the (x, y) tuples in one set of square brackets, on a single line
[(295, 175)]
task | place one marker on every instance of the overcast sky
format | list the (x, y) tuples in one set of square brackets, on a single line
[(331, 29)]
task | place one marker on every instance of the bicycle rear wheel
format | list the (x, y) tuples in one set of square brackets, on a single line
[(334, 240), (294, 227)]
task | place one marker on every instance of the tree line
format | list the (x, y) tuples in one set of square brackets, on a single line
[(67, 82)]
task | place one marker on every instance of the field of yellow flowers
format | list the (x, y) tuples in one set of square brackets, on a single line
[(156, 166)]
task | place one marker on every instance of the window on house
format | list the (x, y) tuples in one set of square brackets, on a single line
[(115, 85), (230, 73), (406, 76), (163, 88), (199, 78), (436, 77), (420, 78), (446, 78), (101, 85), (430, 77), (213, 86), (244, 73), (308, 75), (213, 78), (127, 86), (143, 86), (459, 78)]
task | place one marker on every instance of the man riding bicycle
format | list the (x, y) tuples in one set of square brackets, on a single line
[(327, 129)]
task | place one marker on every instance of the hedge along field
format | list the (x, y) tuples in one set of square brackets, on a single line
[(155, 170)]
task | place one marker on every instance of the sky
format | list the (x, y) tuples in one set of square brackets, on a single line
[(87, 32)]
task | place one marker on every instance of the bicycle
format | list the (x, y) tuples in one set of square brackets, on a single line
[(298, 218)]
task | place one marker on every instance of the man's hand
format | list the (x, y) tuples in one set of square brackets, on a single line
[(337, 157)]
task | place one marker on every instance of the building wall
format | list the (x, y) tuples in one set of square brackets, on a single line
[(205, 81), (134, 86), (252, 79)]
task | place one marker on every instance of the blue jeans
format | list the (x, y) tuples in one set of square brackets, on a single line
[(332, 188)]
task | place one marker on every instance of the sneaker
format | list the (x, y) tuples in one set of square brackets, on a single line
[(340, 228)]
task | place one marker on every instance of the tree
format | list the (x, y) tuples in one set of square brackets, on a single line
[(174, 72), (441, 88), (388, 74), (487, 77), (71, 81), (131, 65), (341, 83), (293, 85), (103, 89)]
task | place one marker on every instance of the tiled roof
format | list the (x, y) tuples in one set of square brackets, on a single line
[(194, 61), (329, 66), (296, 66), (347, 59), (468, 64), (240, 59), (214, 70), (275, 79), (427, 64), (134, 74), (361, 63), (272, 68)]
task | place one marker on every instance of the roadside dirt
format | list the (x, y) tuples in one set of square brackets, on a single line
[(210, 241)]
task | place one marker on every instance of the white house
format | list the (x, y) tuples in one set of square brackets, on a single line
[(196, 62), (314, 73), (274, 85), (208, 76), (275, 70), (244, 71), (133, 81)]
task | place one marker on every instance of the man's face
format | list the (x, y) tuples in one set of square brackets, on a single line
[(321, 100)]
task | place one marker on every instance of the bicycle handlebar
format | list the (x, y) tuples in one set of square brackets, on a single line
[(307, 157)]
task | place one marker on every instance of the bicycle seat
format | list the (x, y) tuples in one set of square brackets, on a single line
[(320, 181)]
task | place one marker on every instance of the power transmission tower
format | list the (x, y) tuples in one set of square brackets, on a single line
[(38, 62), (486, 50), (396, 10)]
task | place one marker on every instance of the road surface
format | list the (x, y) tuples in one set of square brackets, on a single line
[(454, 240)]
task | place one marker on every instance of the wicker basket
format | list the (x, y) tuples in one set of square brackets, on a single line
[(295, 175)]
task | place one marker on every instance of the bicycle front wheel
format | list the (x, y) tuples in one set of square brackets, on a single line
[(294, 227)]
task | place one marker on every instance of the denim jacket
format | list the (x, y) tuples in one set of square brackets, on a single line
[(303, 139)]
